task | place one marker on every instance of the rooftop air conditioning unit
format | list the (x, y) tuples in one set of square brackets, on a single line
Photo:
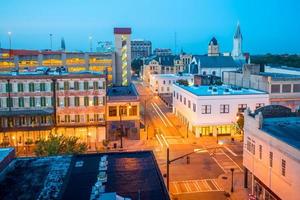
[(214, 91)]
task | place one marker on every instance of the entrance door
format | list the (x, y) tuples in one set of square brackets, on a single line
[(205, 130)]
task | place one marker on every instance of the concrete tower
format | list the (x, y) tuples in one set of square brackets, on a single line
[(237, 43), (122, 69), (213, 47)]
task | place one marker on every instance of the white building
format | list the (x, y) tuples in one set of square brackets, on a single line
[(213, 110), (162, 83), (272, 153)]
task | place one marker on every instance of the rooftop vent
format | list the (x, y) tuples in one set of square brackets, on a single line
[(214, 91)]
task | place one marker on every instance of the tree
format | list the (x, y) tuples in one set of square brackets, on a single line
[(240, 123), (136, 65), (57, 145)]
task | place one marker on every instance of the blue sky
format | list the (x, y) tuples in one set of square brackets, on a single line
[(268, 26)]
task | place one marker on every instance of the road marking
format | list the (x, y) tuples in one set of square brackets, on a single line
[(175, 185), (219, 164), (232, 160), (164, 140), (163, 114), (215, 184), (186, 185), (158, 114), (230, 151), (197, 185), (206, 185), (200, 151), (157, 137)]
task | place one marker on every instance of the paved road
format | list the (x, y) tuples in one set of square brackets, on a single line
[(207, 176)]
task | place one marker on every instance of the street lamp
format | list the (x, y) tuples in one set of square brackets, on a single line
[(91, 43), (232, 170), (9, 38)]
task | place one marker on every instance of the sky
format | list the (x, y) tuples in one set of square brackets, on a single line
[(268, 26)]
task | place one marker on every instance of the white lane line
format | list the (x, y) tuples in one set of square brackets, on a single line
[(159, 114), (157, 137), (200, 151), (230, 151), (232, 160), (186, 185), (195, 185), (164, 140), (219, 164), (206, 184), (163, 114), (198, 186), (215, 184), (175, 185)]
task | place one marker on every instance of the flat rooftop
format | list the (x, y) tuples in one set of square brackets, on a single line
[(286, 129), (4, 152), (127, 175), (117, 91), (280, 75), (172, 75), (203, 90)]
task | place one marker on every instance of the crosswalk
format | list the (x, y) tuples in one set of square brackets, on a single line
[(193, 186)]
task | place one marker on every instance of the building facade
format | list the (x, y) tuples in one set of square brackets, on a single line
[(28, 60), (122, 70), (271, 153), (163, 83), (35, 105), (141, 49), (162, 52), (162, 65), (123, 113), (283, 89), (212, 110), (213, 47)]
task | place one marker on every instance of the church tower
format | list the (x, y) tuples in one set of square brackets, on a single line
[(213, 47), (237, 43)]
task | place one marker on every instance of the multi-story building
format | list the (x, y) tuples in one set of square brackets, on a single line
[(122, 69), (162, 52), (271, 154), (140, 49), (36, 104), (123, 112), (212, 65), (212, 110), (28, 60), (162, 65), (104, 47), (163, 83), (283, 89)]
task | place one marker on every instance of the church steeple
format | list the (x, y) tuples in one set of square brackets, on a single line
[(238, 33), (237, 43)]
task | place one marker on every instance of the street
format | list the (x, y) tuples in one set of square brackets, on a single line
[(206, 174)]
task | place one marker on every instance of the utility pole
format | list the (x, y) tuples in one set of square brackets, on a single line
[(232, 170), (91, 43)]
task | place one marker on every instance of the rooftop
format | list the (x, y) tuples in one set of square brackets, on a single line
[(127, 175), (171, 75), (4, 152), (280, 76), (216, 61), (122, 91), (204, 90), (286, 129)]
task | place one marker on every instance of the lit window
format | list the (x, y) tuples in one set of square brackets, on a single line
[(112, 111)]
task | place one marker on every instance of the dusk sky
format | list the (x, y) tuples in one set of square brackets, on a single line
[(268, 26)]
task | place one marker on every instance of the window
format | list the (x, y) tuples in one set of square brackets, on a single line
[(123, 110), (76, 85), (283, 167), (271, 158), (251, 146), (86, 85), (66, 85), (43, 119), (96, 101), (43, 101), (76, 101), (95, 85), (67, 118), (31, 87), (286, 88), (9, 102), (112, 111), (168, 89), (259, 105), (86, 101), (296, 88), (180, 98), (177, 95), (32, 102), (20, 87), (194, 107), (214, 73), (184, 101), (77, 118), (224, 108), (204, 73), (42, 87), (260, 152), (8, 87), (189, 104), (67, 101), (174, 94), (21, 102), (275, 88), (206, 109), (169, 82), (133, 111), (162, 89), (164, 82), (242, 107)]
